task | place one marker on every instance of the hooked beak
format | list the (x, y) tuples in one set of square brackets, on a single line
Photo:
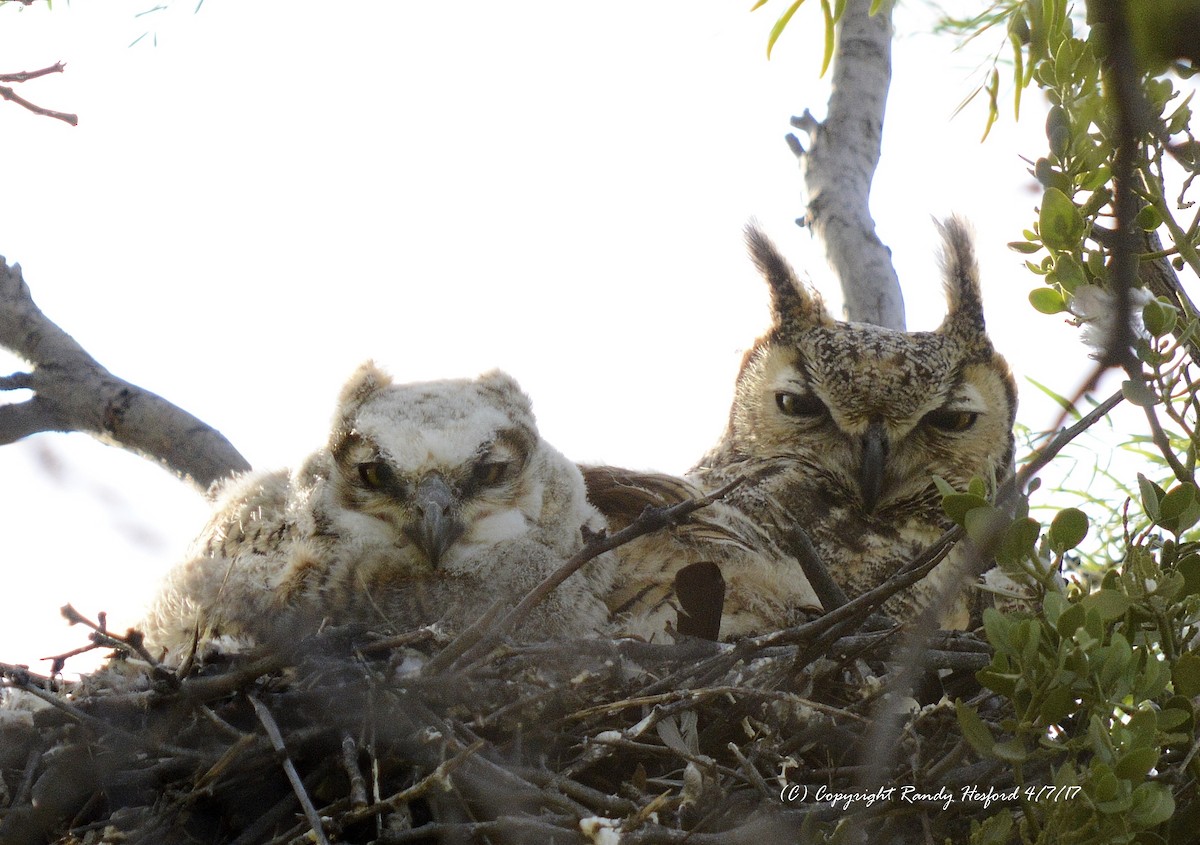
[(870, 472), (435, 526)]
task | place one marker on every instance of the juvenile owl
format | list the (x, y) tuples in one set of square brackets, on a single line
[(839, 428), (429, 502)]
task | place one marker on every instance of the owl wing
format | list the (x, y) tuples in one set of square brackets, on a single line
[(226, 586), (764, 588)]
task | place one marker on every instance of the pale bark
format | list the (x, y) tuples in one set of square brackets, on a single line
[(73, 392), (840, 161)]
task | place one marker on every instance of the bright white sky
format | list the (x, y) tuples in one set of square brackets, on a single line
[(281, 189)]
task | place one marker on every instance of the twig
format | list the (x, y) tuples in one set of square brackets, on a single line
[(358, 786), (438, 777), (13, 97), (289, 768), (827, 589), (26, 75), (132, 643)]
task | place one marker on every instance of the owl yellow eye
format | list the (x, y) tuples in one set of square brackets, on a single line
[(375, 474), (489, 473), (796, 405), (951, 420)]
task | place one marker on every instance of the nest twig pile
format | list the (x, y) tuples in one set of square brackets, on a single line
[(346, 737)]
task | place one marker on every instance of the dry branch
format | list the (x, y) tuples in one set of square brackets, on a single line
[(840, 161), (73, 392), (24, 76)]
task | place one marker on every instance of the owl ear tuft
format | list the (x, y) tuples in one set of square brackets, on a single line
[(366, 381), (505, 386), (960, 272), (792, 303)]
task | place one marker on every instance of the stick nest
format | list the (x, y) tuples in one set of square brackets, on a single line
[(347, 737)]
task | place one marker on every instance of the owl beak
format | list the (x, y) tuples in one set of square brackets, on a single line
[(436, 526), (870, 472)]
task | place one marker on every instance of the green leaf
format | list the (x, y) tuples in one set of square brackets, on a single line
[(827, 13), (1136, 764), (957, 505), (1024, 247), (1058, 131), (780, 25), (1068, 272), (1070, 620), (1152, 494), (1189, 568), (1185, 675), (1153, 804), (943, 486), (1059, 221), (1058, 704), (973, 729), (1011, 751), (1047, 301), (985, 523), (1159, 317), (1137, 393), (1173, 717), (1109, 604), (1067, 530), (1019, 541), (994, 830), (1097, 179), (1178, 500), (1053, 605), (1148, 219), (1063, 402), (1117, 658)]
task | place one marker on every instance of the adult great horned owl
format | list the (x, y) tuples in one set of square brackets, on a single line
[(840, 427), (429, 502)]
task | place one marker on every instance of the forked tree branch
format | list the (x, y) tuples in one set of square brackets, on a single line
[(73, 392), (840, 161), (24, 76)]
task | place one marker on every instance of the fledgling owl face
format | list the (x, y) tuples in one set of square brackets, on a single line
[(441, 466)]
